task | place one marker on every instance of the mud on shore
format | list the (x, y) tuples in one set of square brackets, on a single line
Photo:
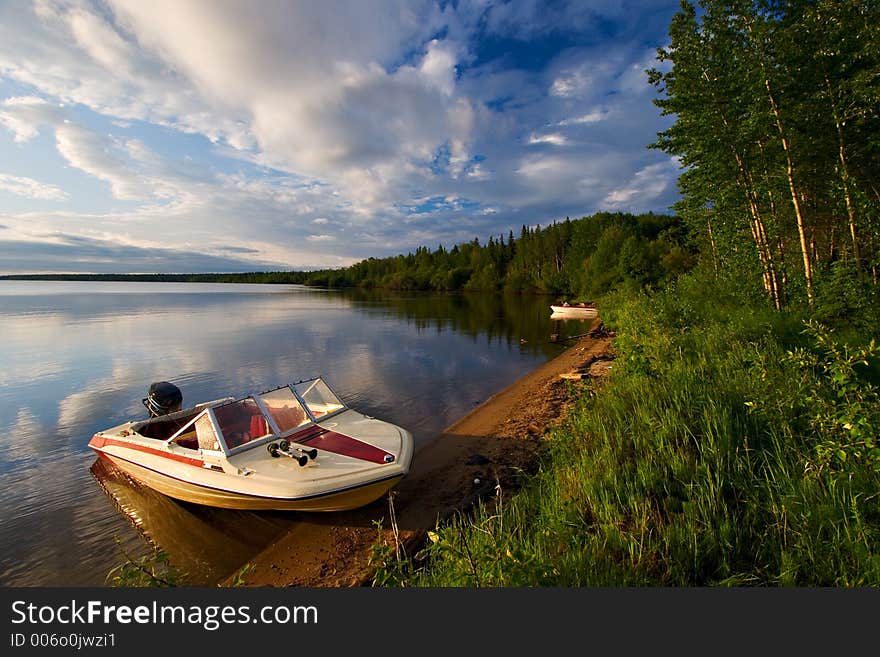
[(493, 444)]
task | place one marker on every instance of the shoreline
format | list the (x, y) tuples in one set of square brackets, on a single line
[(492, 445)]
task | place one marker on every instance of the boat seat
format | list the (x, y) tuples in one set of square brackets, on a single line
[(188, 440), (241, 422), (259, 427), (287, 418)]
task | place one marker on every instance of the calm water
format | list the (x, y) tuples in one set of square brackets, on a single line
[(78, 357)]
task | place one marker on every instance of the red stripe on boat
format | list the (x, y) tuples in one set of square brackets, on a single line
[(306, 434), (98, 442), (339, 443)]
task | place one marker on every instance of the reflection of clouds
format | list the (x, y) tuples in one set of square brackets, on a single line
[(59, 533), (14, 372), (130, 349), (25, 342), (41, 538), (22, 439), (76, 408)]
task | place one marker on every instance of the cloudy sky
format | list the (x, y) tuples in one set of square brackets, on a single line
[(220, 135)]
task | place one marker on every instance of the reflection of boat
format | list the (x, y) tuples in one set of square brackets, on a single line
[(574, 311), (296, 447), (204, 543)]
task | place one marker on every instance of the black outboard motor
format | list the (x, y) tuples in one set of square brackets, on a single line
[(163, 398)]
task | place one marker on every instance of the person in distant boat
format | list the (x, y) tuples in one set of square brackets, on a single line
[(565, 303)]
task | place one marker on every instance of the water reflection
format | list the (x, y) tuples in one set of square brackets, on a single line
[(78, 357), (207, 544)]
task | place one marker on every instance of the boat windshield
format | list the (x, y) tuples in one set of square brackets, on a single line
[(241, 422), (318, 397), (285, 409)]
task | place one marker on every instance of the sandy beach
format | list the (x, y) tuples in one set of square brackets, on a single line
[(490, 446)]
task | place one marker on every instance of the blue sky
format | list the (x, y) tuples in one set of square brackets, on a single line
[(212, 135)]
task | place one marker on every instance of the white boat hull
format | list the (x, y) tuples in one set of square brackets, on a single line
[(573, 312), (340, 500)]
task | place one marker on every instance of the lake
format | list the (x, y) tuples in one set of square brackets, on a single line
[(78, 357)]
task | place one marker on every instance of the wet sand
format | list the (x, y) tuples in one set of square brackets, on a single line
[(492, 445)]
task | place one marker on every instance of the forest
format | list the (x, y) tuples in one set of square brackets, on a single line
[(776, 107), (584, 257)]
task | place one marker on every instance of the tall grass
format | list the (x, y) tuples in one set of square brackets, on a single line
[(732, 445)]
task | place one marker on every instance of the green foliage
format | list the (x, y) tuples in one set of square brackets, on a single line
[(151, 569), (729, 448), (238, 579), (776, 126), (844, 300), (580, 258), (388, 569), (834, 393)]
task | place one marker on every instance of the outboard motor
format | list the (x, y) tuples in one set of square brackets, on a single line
[(163, 398)]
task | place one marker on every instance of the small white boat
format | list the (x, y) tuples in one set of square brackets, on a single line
[(298, 447), (576, 311)]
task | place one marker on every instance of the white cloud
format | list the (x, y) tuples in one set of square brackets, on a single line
[(438, 67), (551, 138), (313, 83), (633, 79), (594, 116), (90, 153), (23, 116), (572, 83), (645, 186), (70, 51), (98, 38), (477, 172), (542, 166), (83, 149), (31, 188)]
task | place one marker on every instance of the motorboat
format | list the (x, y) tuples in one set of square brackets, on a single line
[(582, 310), (298, 447)]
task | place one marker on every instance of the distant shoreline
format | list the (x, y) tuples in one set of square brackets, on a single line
[(291, 277)]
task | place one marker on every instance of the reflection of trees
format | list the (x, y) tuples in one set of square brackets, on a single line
[(509, 319)]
